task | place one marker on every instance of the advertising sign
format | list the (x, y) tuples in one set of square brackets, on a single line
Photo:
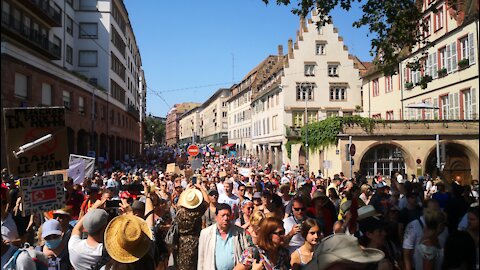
[(36, 140), (42, 193)]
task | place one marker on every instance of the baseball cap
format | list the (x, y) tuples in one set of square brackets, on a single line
[(257, 195), (342, 248), (95, 220), (212, 192), (51, 227)]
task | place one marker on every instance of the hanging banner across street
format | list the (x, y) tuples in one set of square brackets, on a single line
[(42, 193)]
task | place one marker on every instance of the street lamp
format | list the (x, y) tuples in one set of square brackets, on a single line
[(305, 91)]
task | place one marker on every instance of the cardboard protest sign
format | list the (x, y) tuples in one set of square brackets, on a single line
[(39, 138), (89, 163), (223, 174), (64, 173), (245, 171), (76, 171), (42, 193), (170, 168)]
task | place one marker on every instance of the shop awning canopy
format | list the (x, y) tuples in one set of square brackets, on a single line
[(228, 146), (422, 105)]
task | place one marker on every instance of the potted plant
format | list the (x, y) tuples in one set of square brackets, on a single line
[(409, 85), (463, 63), (425, 80), (442, 72)]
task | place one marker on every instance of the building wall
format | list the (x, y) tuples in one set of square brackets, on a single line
[(189, 125), (213, 118)]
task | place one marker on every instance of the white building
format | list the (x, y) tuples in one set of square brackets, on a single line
[(189, 126), (213, 118)]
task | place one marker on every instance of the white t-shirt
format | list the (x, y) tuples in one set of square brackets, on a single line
[(413, 237), (297, 240), (83, 256), (220, 189), (9, 229), (400, 179), (233, 201), (24, 261)]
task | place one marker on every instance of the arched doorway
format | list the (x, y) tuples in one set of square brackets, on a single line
[(302, 158), (455, 162), (71, 140), (385, 158), (82, 142)]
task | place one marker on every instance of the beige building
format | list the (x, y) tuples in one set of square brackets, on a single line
[(239, 109), (189, 126), (442, 96), (319, 76), (173, 116), (213, 118)]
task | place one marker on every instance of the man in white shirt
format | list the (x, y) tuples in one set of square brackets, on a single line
[(292, 225), (88, 252), (229, 198)]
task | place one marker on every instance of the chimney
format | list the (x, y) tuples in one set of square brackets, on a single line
[(280, 52), (290, 48), (303, 25)]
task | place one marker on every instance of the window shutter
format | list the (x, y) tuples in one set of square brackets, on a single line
[(453, 55), (46, 94), (435, 65), (435, 111), (447, 58), (471, 49), (21, 85), (473, 97), (451, 109), (456, 106), (428, 65)]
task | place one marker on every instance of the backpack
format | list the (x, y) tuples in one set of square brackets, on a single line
[(171, 238), (41, 262)]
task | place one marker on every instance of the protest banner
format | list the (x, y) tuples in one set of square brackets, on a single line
[(245, 171), (42, 193), (89, 163), (76, 171), (196, 164), (170, 168), (36, 140)]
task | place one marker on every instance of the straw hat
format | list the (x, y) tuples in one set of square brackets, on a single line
[(190, 198), (342, 248), (127, 238)]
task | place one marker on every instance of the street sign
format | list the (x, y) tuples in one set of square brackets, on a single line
[(193, 150), (352, 150), (36, 140)]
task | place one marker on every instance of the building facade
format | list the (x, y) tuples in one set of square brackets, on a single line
[(189, 126), (172, 124), (442, 94), (81, 55), (317, 79), (213, 118)]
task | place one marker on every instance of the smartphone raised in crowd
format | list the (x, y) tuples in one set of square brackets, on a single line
[(113, 203), (194, 180)]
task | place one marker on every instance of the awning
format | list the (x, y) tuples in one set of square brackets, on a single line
[(228, 146), (422, 105)]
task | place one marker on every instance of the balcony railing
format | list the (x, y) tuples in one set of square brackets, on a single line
[(26, 34), (46, 11), (133, 111)]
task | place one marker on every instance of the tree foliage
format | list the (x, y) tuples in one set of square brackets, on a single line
[(154, 129), (394, 25)]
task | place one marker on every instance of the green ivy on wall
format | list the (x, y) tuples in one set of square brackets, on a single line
[(325, 133)]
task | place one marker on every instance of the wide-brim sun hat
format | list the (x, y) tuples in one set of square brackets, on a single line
[(342, 248), (367, 211), (127, 238), (190, 198)]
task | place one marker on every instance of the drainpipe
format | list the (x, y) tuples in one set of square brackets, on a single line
[(401, 88)]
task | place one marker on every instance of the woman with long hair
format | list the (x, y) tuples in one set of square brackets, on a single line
[(269, 252), (310, 230)]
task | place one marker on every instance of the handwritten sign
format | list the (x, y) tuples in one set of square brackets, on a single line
[(170, 168), (26, 125), (42, 193), (245, 171)]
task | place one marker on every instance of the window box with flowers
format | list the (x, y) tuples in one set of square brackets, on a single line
[(442, 72), (462, 64), (425, 80), (408, 85)]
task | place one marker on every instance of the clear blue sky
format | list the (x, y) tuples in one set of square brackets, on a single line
[(187, 46)]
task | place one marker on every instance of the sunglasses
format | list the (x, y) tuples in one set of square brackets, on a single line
[(279, 233), (299, 209)]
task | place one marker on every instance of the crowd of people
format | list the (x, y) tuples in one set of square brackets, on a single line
[(235, 213)]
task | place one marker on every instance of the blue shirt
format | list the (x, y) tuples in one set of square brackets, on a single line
[(224, 252)]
